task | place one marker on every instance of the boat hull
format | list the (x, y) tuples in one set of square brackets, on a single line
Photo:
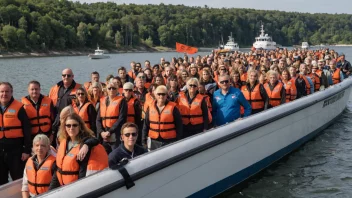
[(207, 164), (263, 46), (98, 56)]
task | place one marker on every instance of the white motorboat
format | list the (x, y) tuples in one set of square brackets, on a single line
[(264, 41), (230, 45), (98, 54), (207, 164), (305, 45)]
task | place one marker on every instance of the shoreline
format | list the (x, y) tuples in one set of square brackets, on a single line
[(85, 52)]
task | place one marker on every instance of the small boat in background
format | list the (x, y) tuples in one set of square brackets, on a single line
[(98, 54), (305, 45), (230, 45), (264, 41)]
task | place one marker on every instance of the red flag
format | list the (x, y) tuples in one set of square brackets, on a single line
[(185, 48)]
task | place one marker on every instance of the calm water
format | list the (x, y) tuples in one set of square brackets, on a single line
[(321, 168)]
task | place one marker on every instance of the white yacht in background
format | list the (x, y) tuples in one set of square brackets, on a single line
[(305, 45), (230, 45), (98, 54), (264, 41)]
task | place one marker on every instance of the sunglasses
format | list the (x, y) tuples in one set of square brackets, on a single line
[(128, 134), (222, 69), (71, 125), (128, 90), (161, 94), (80, 94), (192, 85), (112, 88), (66, 75), (142, 77), (224, 82)]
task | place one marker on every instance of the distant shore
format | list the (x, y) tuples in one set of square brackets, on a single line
[(84, 52)]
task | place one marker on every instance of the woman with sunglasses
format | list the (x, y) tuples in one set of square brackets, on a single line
[(193, 109), (163, 123), (128, 149), (85, 109), (111, 116), (73, 163)]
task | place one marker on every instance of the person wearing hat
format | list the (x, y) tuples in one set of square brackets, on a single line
[(134, 109), (345, 66)]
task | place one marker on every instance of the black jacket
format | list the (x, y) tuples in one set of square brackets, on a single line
[(64, 97), (121, 152)]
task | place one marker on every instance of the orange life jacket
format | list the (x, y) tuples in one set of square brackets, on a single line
[(110, 114), (10, 125), (275, 94), (83, 112), (39, 180), (87, 85), (40, 120), (148, 101), (316, 81), (210, 108), (68, 167), (191, 113), (54, 92), (291, 90), (254, 98), (132, 74), (162, 124), (147, 85), (243, 78), (336, 76), (130, 110)]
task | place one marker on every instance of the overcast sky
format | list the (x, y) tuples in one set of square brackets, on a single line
[(311, 6)]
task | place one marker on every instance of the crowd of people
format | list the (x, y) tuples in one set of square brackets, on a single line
[(79, 129)]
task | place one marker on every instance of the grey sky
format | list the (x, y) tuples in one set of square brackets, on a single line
[(311, 6)]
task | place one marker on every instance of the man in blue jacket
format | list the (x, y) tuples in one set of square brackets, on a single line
[(227, 102)]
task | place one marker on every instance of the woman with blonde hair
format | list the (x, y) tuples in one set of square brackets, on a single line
[(194, 110), (255, 93), (39, 168), (95, 92), (73, 162), (84, 108)]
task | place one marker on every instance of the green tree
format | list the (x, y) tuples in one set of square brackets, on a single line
[(21, 38), (34, 39), (22, 23), (9, 36)]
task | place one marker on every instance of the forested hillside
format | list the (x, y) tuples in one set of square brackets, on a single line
[(62, 24)]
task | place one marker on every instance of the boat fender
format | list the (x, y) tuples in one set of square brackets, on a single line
[(126, 176)]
